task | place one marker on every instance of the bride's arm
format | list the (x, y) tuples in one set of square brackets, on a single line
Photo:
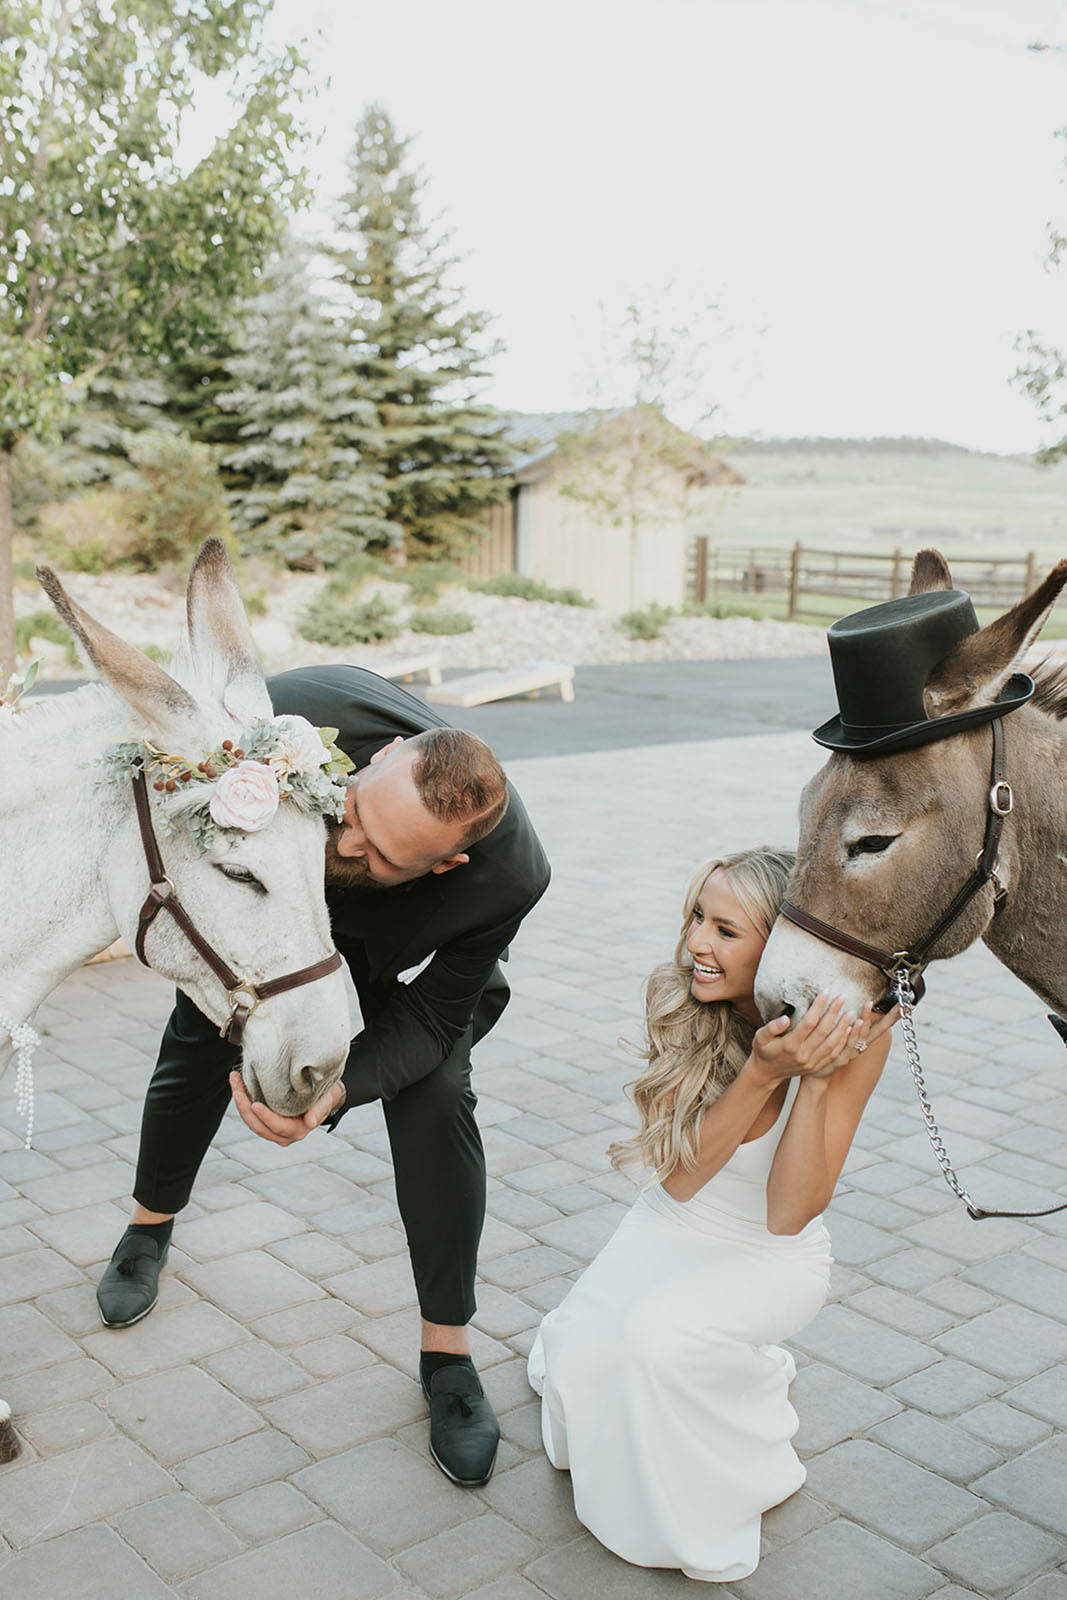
[(722, 1128), (778, 1052), (818, 1136)]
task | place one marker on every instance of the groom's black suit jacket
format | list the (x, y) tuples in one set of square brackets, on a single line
[(465, 919)]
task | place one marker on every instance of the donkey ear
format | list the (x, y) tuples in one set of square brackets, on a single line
[(144, 685), (221, 640), (929, 571), (977, 669)]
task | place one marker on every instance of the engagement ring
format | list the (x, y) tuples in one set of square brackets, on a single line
[(861, 1046)]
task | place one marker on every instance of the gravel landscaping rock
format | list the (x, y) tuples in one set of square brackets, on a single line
[(506, 630)]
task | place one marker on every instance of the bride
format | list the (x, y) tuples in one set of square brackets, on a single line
[(665, 1390)]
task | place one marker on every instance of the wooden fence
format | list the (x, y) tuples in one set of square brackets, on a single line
[(805, 575), (495, 550)]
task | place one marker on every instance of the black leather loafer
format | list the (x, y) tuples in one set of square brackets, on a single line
[(464, 1432), (129, 1287)]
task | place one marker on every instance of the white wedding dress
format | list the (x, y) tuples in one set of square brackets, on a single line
[(664, 1389)]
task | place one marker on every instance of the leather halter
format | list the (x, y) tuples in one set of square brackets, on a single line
[(999, 803), (243, 996)]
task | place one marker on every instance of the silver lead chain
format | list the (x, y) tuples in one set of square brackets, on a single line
[(25, 1041), (906, 999)]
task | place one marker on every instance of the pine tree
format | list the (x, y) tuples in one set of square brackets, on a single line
[(418, 356), (194, 382), (307, 487)]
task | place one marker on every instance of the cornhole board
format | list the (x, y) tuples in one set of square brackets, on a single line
[(502, 683), (408, 667)]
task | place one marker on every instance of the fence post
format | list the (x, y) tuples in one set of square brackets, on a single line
[(1031, 571), (794, 581), (894, 582), (715, 572), (700, 575)]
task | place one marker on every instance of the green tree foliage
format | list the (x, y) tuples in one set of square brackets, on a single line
[(420, 357), (306, 483), (172, 498), (193, 382), (1043, 376), (160, 505), (109, 250)]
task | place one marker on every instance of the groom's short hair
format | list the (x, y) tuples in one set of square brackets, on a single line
[(459, 780)]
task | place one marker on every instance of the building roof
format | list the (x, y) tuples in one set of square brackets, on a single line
[(536, 435)]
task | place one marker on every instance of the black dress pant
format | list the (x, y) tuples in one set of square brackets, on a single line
[(437, 1153)]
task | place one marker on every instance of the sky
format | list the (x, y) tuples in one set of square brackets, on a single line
[(864, 187)]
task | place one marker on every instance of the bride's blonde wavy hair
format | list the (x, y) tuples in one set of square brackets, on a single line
[(695, 1048)]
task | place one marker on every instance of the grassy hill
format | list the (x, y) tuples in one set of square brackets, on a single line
[(878, 494)]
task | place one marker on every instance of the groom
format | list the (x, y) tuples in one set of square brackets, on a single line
[(428, 877)]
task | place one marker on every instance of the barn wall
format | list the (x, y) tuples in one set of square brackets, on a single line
[(566, 542)]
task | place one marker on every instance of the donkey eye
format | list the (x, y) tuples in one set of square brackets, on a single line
[(871, 844), (241, 875)]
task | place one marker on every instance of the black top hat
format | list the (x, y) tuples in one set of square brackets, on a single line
[(882, 659)]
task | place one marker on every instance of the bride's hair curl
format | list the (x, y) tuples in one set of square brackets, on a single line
[(695, 1048)]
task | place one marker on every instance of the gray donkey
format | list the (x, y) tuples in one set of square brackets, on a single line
[(887, 842)]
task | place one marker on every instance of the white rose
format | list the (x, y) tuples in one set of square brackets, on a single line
[(245, 797), (299, 747)]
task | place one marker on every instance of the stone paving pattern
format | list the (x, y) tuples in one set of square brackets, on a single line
[(261, 1433)]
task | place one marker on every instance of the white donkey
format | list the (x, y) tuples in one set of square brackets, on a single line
[(73, 872)]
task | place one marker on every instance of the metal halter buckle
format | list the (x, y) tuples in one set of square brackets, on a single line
[(242, 997), (1001, 807)]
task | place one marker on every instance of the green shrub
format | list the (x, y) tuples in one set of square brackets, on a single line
[(255, 602), (515, 585), (646, 624), (89, 534), (155, 652), (44, 625), (426, 579), (351, 573), (330, 619), (173, 498), (442, 622)]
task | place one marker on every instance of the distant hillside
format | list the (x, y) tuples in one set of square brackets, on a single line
[(875, 494), (828, 446)]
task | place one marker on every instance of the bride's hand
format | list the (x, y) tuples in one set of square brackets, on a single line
[(821, 1042), (870, 1026)]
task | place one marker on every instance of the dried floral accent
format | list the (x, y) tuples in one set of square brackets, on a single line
[(283, 758)]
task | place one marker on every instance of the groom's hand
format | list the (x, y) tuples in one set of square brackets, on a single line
[(283, 1130)]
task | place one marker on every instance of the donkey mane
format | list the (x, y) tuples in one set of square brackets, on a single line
[(1050, 678)]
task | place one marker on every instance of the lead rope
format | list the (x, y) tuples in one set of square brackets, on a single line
[(25, 1041), (906, 1001)]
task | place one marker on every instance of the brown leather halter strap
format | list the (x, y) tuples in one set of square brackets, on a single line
[(244, 997), (998, 805), (911, 961)]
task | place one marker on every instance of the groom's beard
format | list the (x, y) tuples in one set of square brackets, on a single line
[(347, 872)]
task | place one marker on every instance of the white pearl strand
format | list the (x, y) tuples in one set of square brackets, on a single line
[(25, 1040)]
